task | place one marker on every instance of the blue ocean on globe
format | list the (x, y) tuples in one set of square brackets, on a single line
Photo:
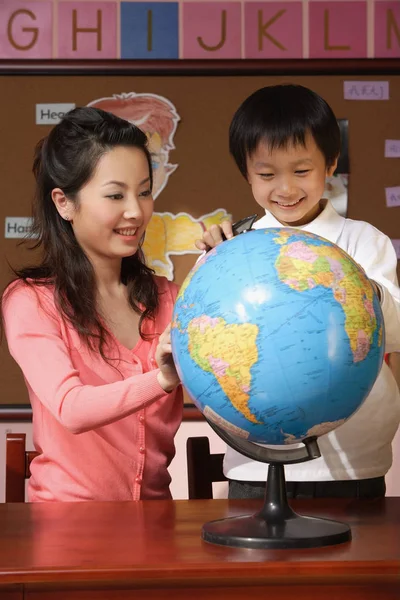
[(277, 335)]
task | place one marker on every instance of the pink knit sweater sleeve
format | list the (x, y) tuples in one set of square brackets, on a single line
[(33, 331)]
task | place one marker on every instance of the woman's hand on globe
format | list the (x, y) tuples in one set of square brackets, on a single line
[(214, 236), (167, 377)]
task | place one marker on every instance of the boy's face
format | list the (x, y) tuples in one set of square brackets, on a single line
[(289, 182)]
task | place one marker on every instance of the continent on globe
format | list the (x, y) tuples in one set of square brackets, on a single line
[(211, 415), (228, 351), (303, 266)]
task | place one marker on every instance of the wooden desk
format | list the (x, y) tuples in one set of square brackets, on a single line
[(153, 550)]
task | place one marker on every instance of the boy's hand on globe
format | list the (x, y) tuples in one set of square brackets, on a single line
[(215, 235), (167, 377), (215, 218)]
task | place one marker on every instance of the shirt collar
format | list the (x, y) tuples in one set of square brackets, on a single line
[(329, 224)]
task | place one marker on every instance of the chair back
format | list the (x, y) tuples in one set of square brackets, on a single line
[(203, 468), (18, 461)]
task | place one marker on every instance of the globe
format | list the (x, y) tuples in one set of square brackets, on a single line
[(277, 336)]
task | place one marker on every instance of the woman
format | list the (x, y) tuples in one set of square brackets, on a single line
[(89, 327)]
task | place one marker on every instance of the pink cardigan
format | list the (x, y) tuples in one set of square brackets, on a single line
[(103, 433)]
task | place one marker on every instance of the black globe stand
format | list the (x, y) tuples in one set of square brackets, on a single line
[(276, 525)]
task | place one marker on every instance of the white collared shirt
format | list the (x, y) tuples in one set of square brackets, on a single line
[(361, 447)]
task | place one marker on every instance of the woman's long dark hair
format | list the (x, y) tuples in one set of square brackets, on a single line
[(66, 159)]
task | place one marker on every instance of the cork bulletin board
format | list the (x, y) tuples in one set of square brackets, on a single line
[(204, 177)]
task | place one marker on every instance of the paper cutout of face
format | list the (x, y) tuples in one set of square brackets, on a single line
[(158, 118), (162, 169)]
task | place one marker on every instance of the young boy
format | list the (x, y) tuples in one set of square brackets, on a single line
[(285, 140)]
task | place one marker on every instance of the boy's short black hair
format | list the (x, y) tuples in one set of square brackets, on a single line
[(279, 115)]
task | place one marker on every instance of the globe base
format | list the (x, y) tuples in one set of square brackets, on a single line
[(276, 525), (297, 531)]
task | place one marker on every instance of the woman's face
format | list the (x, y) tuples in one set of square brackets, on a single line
[(114, 207)]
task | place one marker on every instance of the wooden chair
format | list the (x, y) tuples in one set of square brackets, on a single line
[(203, 468), (18, 461)]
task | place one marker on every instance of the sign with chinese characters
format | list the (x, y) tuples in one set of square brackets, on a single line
[(392, 148), (392, 196), (366, 90)]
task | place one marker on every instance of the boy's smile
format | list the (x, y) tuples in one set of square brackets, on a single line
[(289, 181)]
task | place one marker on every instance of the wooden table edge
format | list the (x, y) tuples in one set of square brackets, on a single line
[(314, 573)]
